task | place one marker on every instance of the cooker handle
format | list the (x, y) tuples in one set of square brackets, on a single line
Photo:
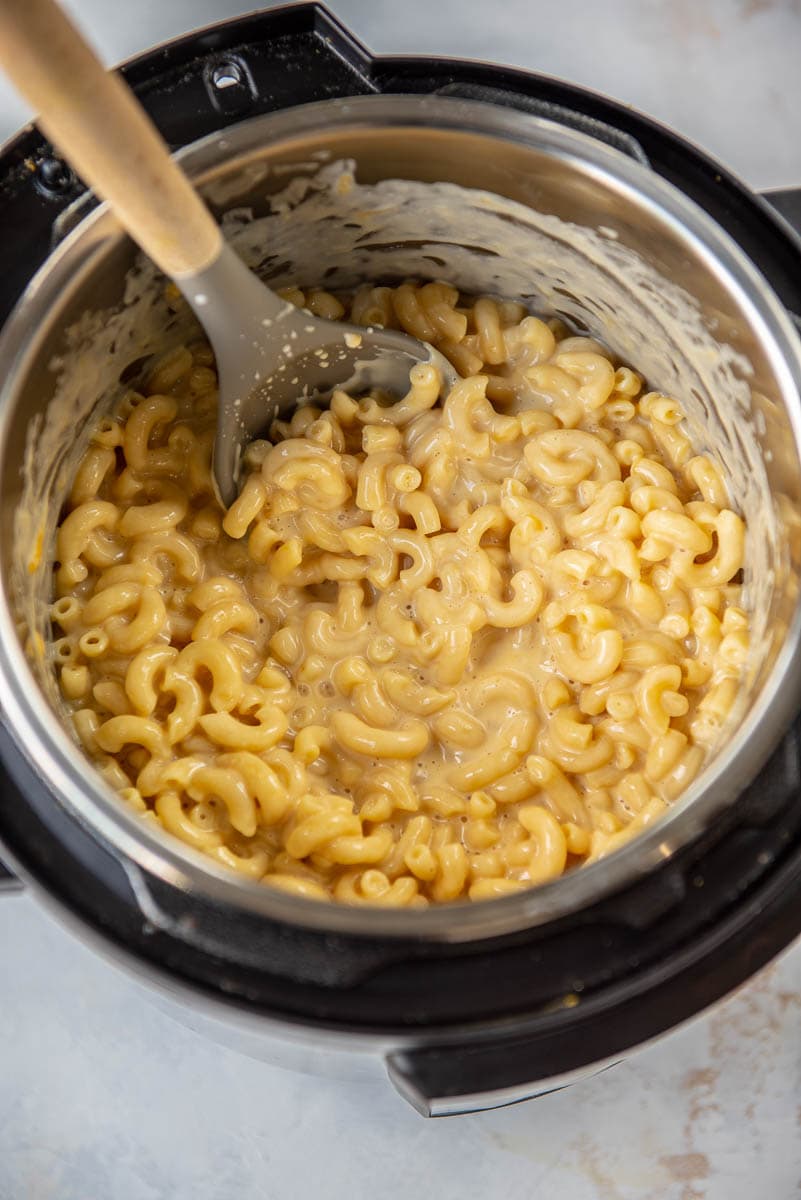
[(449, 1081), (618, 139), (8, 882), (786, 202)]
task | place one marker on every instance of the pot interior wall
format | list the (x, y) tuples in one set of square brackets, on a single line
[(341, 206)]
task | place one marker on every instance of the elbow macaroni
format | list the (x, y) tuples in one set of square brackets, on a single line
[(442, 649)]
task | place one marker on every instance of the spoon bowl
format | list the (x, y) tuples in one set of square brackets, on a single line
[(271, 355)]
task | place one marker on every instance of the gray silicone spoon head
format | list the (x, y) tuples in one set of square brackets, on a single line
[(270, 355)]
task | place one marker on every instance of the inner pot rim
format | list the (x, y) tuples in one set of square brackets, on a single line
[(81, 790)]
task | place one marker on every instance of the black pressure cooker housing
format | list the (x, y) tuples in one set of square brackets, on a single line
[(485, 1016)]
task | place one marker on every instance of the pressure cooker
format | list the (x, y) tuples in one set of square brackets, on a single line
[(462, 1006)]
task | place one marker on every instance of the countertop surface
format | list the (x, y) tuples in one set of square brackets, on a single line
[(105, 1097)]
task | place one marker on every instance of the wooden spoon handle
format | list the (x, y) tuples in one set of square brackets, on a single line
[(96, 123)]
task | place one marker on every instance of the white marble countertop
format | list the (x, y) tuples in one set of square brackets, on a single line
[(103, 1097)]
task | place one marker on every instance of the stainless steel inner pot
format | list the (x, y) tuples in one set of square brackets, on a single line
[(576, 228)]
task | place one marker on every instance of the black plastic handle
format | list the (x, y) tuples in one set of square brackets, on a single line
[(8, 882), (786, 201), (451, 1083)]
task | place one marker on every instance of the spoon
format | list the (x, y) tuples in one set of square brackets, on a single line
[(269, 354)]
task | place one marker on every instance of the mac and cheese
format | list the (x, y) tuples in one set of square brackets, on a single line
[(443, 649)]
